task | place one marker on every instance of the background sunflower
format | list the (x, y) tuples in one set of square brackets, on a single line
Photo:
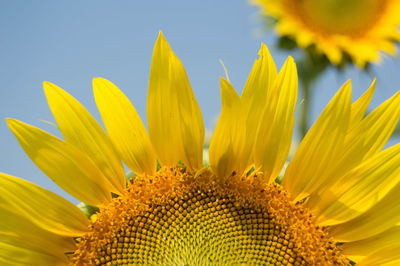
[(356, 31), (337, 33)]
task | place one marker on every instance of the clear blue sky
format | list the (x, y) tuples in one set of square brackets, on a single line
[(70, 42)]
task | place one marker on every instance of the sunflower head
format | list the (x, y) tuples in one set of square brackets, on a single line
[(343, 30), (338, 200)]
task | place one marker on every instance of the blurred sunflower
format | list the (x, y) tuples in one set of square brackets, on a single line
[(359, 29), (338, 200)]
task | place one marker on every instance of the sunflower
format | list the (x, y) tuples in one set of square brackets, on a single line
[(337, 202), (359, 29)]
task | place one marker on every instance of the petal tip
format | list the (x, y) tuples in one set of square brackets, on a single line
[(161, 38), (373, 84), (290, 67), (264, 51), (97, 80), (292, 63), (162, 49), (346, 87), (11, 122), (49, 88), (48, 85), (264, 47)]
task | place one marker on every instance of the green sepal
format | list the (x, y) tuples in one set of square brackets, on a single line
[(88, 210)]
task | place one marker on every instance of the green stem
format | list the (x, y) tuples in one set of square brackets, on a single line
[(311, 66), (305, 109)]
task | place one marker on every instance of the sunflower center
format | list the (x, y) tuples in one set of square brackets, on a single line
[(338, 16), (177, 219)]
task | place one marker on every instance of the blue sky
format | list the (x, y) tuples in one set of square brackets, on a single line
[(70, 42)]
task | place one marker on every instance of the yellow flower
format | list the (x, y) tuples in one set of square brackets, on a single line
[(338, 200), (357, 28)]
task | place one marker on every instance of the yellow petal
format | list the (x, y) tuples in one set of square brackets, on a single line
[(80, 129), (229, 138), (383, 257), (320, 148), (63, 163), (367, 246), (365, 139), (276, 125), (124, 127), (174, 118), (254, 96), (362, 187), (260, 80), (44, 208), (380, 217), (20, 231), (375, 129), (359, 107), (12, 255)]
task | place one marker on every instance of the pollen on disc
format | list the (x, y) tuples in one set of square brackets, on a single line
[(168, 222)]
